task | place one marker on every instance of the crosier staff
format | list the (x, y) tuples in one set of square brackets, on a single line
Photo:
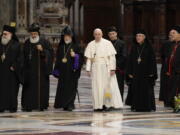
[(39, 49), (73, 54)]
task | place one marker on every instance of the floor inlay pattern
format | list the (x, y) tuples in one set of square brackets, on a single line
[(83, 121)]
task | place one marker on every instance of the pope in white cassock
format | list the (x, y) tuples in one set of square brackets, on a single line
[(101, 65)]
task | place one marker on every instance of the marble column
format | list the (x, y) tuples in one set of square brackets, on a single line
[(21, 15), (76, 16), (121, 5), (162, 25), (31, 11), (81, 24), (7, 12), (71, 16), (128, 23), (162, 19)]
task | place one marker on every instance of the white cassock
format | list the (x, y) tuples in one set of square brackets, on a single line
[(100, 61)]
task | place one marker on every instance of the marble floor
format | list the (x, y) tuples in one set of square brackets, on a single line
[(83, 121)]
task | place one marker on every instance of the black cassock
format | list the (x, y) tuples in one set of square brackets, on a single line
[(165, 51), (174, 70), (9, 84), (37, 68), (68, 75), (121, 55), (141, 92)]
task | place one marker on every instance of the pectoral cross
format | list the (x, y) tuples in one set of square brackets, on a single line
[(139, 60), (3, 57), (30, 56)]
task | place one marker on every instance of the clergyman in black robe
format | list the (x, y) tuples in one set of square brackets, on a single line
[(142, 71), (38, 62), (165, 52), (9, 67), (121, 55), (174, 67), (67, 70)]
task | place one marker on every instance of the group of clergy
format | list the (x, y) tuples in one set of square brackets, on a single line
[(108, 63), (31, 65)]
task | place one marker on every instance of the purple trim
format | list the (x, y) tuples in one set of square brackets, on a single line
[(56, 73), (76, 62)]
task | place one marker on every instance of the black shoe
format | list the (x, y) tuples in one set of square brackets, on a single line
[(104, 107), (109, 109), (46, 108), (69, 109), (133, 110), (98, 110)]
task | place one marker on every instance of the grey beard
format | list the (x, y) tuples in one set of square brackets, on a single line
[(68, 41), (34, 40), (5, 41)]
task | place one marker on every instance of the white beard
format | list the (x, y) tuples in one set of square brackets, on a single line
[(68, 41), (34, 40), (5, 41)]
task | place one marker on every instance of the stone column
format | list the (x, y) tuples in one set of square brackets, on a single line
[(162, 19), (121, 17), (71, 16), (31, 11), (21, 15), (81, 24), (162, 22), (128, 23), (5, 12), (76, 16)]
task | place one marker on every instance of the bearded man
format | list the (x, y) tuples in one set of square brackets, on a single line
[(38, 59), (9, 59), (67, 70)]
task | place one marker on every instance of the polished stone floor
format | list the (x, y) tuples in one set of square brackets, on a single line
[(83, 121)]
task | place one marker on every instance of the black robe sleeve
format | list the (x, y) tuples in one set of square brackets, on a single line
[(176, 65), (48, 55), (162, 52), (129, 67), (17, 61), (165, 52), (153, 67), (58, 57), (121, 55)]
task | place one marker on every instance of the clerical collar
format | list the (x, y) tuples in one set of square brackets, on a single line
[(114, 41)]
